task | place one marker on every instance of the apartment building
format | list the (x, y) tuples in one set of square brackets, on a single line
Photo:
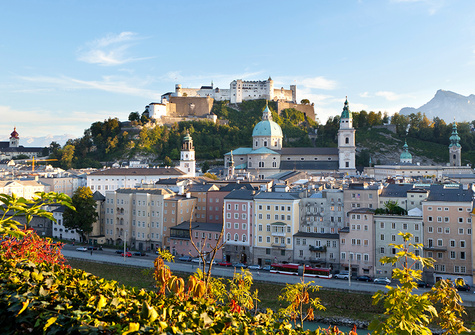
[(136, 216), (387, 229), (357, 243), (215, 200), (360, 195), (277, 217), (204, 235), (238, 228), (200, 192), (447, 217), (176, 210)]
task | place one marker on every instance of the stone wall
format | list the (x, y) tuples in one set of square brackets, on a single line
[(306, 109)]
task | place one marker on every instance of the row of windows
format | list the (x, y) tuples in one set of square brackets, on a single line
[(236, 216), (276, 207), (394, 237), (318, 243), (446, 219), (404, 226), (446, 230), (236, 207), (268, 228), (446, 209), (358, 258), (236, 237), (268, 217), (236, 225), (277, 240)]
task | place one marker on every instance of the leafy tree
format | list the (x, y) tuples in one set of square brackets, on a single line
[(298, 297), (67, 156), (411, 313), (84, 215), (167, 161), (22, 156), (211, 176), (205, 167), (392, 208), (305, 102), (134, 116)]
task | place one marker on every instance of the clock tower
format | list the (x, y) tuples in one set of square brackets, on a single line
[(346, 141)]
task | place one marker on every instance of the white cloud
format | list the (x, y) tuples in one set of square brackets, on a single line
[(321, 83), (122, 85), (391, 96), (110, 50), (365, 95)]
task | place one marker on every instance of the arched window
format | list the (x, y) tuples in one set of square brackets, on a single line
[(347, 140), (228, 236), (244, 237), (236, 237), (274, 164), (265, 143)]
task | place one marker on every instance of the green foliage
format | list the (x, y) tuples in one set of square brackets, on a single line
[(392, 208), (12, 207), (205, 167), (211, 176), (84, 214), (297, 295), (134, 116), (411, 313)]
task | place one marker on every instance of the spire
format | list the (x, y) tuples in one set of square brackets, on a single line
[(267, 114), (454, 138), (346, 114)]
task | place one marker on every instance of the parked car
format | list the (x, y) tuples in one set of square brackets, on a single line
[(364, 278), (382, 281), (196, 260), (421, 283), (127, 254), (254, 267), (118, 251), (139, 253), (185, 258), (81, 249), (225, 264), (464, 287), (239, 265), (266, 268), (342, 275), (92, 247)]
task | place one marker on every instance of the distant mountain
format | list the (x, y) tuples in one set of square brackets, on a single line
[(43, 141), (446, 105)]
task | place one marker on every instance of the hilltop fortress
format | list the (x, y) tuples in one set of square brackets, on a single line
[(198, 102)]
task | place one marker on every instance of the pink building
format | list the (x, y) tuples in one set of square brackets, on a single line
[(238, 231), (203, 234)]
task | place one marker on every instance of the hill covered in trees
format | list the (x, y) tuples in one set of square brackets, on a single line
[(112, 141)]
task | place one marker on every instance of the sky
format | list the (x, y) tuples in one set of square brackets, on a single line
[(66, 64)]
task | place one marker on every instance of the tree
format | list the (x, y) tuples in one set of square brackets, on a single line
[(85, 214), (167, 161), (67, 156), (205, 167), (410, 313), (305, 102), (134, 116)]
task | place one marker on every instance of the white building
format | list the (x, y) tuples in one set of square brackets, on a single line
[(62, 232), (187, 157), (241, 90)]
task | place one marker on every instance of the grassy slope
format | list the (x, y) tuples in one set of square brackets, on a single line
[(337, 303)]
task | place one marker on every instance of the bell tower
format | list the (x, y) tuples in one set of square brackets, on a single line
[(187, 156), (455, 149), (14, 139), (346, 141)]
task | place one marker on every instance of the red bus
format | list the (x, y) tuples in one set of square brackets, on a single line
[(294, 269)]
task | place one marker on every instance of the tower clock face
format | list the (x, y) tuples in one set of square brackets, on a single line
[(347, 155)]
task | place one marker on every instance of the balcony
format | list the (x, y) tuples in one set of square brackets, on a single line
[(281, 234), (344, 230), (278, 245), (435, 248), (317, 249)]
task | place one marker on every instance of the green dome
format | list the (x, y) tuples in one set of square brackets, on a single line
[(454, 138), (405, 155), (346, 114), (267, 127)]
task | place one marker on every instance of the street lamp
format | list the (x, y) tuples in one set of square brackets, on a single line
[(125, 243)]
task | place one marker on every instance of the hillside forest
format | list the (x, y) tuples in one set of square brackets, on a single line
[(111, 140)]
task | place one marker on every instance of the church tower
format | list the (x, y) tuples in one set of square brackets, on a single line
[(187, 156), (455, 149), (346, 141), (405, 157), (14, 139)]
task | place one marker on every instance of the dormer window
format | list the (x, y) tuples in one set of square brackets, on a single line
[(265, 143)]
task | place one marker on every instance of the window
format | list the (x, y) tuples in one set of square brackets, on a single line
[(430, 229), (440, 242), (268, 227), (228, 225), (404, 226), (259, 238), (462, 254), (260, 227), (393, 225), (462, 244), (236, 225), (382, 250), (343, 255), (382, 237), (382, 225), (460, 231), (268, 216), (439, 219), (429, 219), (452, 255), (259, 216), (268, 239)]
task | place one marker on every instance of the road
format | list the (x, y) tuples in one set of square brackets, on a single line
[(110, 256)]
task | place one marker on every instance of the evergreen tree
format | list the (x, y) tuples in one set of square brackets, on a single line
[(85, 214)]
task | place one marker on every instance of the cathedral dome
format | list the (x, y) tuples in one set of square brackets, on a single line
[(267, 127), (346, 114), (405, 156)]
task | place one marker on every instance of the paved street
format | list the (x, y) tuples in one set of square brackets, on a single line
[(110, 256)]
